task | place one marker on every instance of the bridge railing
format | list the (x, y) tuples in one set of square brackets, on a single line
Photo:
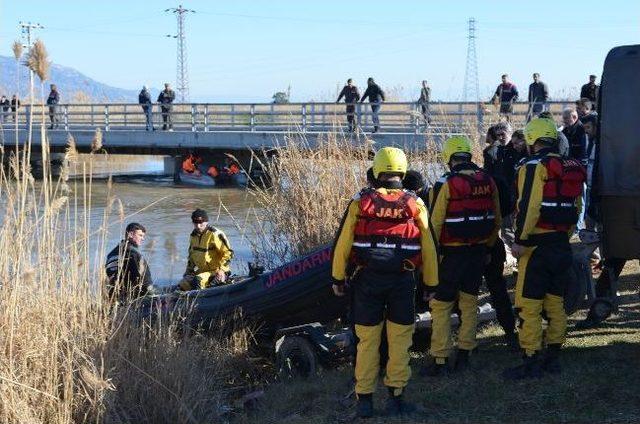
[(400, 117)]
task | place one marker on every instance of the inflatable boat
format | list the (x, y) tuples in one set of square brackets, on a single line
[(296, 293), (237, 179), (200, 179)]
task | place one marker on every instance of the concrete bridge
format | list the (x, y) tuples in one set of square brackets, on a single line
[(214, 129), (251, 126)]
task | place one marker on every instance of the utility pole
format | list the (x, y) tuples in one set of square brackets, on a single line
[(182, 78), (470, 90), (26, 28)]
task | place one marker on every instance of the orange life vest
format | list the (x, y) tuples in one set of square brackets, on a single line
[(386, 235), (563, 186), (234, 169), (470, 216)]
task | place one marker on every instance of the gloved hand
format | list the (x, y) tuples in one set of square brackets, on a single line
[(338, 288), (429, 292)]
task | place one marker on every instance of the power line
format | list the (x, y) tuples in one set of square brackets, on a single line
[(26, 28), (182, 77), (470, 91)]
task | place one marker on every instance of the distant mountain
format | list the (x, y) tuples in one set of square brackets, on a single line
[(74, 87)]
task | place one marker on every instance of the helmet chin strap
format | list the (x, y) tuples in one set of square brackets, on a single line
[(389, 184)]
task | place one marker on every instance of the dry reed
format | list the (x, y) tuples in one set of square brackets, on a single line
[(38, 60), (311, 186), (66, 353), (16, 47)]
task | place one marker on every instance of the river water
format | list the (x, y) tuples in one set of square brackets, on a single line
[(168, 219)]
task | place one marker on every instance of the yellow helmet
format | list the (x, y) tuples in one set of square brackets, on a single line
[(540, 128), (391, 160), (456, 144)]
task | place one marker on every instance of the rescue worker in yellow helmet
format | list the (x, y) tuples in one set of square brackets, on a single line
[(209, 255), (547, 210), (385, 235), (465, 216)]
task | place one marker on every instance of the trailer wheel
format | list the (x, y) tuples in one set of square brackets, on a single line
[(296, 358)]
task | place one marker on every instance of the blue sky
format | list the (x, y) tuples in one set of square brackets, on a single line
[(246, 50)]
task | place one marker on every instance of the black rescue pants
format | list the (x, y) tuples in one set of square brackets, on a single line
[(497, 286), (351, 109), (603, 285), (460, 274), (166, 117), (381, 299)]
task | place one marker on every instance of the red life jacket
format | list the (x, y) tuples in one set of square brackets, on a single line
[(386, 235), (563, 186), (470, 216)]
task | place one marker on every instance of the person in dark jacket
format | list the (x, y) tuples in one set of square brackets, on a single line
[(574, 131), (4, 108), (538, 97), (166, 98), (15, 105), (52, 102), (351, 96), (590, 91), (424, 101), (506, 94), (585, 111), (500, 161), (127, 271), (144, 99), (376, 97)]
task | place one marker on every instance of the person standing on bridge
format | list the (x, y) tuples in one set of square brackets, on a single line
[(506, 94), (166, 98), (376, 97), (424, 100), (538, 97), (351, 96), (590, 91), (144, 99), (15, 105), (52, 102)]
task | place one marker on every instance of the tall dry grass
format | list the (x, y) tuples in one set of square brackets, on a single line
[(68, 354), (311, 186)]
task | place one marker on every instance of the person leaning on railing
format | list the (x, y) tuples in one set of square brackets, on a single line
[(351, 96), (506, 94), (376, 97)]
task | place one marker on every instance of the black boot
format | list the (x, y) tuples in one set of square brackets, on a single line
[(462, 360), (511, 339), (396, 405), (551, 362), (364, 407), (530, 368), (435, 370)]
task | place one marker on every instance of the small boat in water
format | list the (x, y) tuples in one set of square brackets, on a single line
[(227, 179), (196, 179)]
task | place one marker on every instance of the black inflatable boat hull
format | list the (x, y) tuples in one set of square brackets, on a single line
[(296, 293)]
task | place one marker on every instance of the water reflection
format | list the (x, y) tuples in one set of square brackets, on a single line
[(168, 220)]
